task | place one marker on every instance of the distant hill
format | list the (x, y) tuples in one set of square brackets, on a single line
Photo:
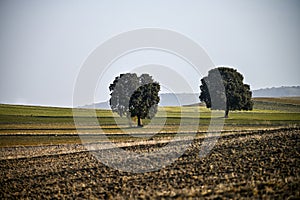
[(102, 105), (166, 99), (283, 91), (180, 99)]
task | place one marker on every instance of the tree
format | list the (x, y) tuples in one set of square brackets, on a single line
[(229, 93), (121, 90), (143, 102), (134, 96)]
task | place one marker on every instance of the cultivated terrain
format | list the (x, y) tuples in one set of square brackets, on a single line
[(259, 165), (257, 155)]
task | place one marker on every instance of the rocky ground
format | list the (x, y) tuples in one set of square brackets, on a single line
[(258, 165)]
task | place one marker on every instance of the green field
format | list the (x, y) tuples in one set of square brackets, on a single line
[(51, 125), (285, 104)]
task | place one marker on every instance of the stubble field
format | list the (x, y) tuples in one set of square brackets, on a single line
[(259, 165)]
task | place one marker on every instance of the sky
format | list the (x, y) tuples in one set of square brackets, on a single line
[(44, 44)]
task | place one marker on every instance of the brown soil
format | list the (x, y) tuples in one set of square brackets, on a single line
[(260, 165)]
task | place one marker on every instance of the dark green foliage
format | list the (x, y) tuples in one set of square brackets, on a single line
[(134, 96), (143, 102), (122, 88), (229, 93)]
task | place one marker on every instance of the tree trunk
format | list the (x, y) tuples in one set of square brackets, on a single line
[(226, 113), (139, 122)]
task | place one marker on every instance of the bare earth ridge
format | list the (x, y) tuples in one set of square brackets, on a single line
[(258, 165)]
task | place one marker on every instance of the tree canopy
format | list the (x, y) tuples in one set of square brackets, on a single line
[(134, 96), (229, 93)]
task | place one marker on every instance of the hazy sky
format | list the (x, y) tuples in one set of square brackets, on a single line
[(44, 43)]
